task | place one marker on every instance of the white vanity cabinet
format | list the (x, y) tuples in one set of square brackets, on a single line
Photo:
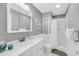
[(36, 50)]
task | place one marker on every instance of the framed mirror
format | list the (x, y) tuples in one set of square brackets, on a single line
[(17, 21)]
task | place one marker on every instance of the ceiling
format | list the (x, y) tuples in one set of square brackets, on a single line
[(55, 8)]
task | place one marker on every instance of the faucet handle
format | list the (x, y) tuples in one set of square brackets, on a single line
[(22, 39)]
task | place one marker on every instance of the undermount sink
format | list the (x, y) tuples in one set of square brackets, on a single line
[(30, 38)]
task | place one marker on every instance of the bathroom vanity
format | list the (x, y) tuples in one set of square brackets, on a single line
[(32, 46)]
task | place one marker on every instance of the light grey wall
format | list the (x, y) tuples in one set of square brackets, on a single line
[(73, 16), (13, 36)]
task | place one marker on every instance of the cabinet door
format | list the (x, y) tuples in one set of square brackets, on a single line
[(36, 50)]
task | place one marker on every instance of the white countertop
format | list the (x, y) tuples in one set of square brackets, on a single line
[(19, 47)]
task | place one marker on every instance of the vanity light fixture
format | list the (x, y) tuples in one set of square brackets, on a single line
[(58, 5)]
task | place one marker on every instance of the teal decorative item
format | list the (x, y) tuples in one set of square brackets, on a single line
[(3, 47), (10, 47), (2, 44), (2, 50)]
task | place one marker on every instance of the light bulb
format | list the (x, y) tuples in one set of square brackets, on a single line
[(58, 6)]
